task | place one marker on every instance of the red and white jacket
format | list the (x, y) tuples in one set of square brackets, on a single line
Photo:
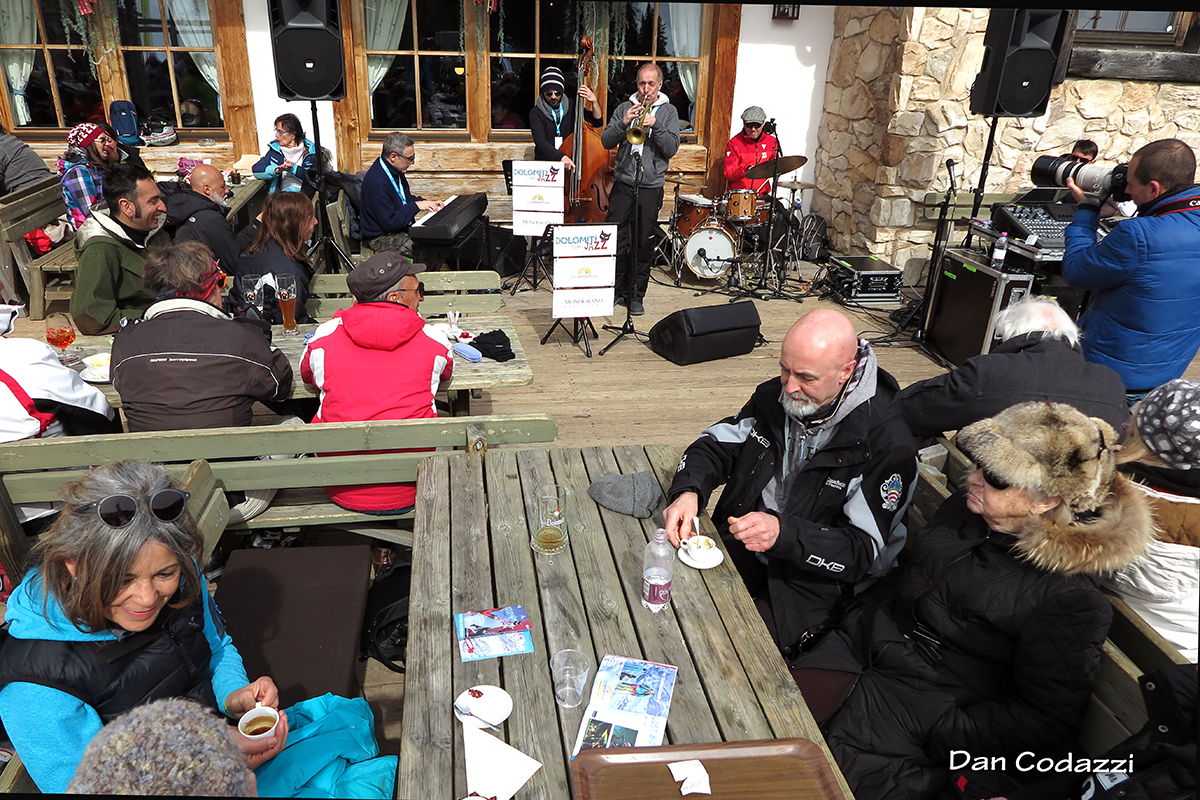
[(743, 153), (376, 361)]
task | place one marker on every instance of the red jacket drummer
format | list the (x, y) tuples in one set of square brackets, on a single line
[(748, 148)]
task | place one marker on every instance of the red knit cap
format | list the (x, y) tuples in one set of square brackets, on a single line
[(83, 134)]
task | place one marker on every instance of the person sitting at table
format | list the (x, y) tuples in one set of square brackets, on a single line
[(818, 475), (114, 613), (20, 166), (389, 207), (290, 162), (112, 247), (122, 153), (187, 364), (378, 360), (280, 247), (198, 212), (84, 167), (987, 637)]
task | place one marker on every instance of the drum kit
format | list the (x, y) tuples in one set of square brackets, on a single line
[(726, 237)]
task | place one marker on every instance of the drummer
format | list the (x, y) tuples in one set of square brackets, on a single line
[(748, 148)]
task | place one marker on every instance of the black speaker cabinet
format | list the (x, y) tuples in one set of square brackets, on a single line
[(968, 296), (1021, 49), (306, 36), (693, 335)]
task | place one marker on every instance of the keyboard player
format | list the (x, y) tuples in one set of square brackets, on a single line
[(388, 206)]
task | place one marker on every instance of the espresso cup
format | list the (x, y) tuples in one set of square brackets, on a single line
[(259, 722), (701, 548)]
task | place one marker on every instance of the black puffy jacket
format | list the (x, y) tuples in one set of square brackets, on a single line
[(969, 646), (199, 219)]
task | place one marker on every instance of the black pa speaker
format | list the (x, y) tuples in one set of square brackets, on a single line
[(693, 335), (1021, 49), (306, 36)]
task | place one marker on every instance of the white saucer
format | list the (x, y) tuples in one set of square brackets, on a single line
[(709, 564), (94, 375), (494, 705)]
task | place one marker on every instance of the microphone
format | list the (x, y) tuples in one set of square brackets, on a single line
[(769, 126), (701, 254), (950, 169)]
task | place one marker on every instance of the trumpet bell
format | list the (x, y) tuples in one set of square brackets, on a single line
[(636, 135)]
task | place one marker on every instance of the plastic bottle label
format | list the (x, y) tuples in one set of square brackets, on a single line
[(656, 593)]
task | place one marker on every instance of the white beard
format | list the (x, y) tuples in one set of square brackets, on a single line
[(798, 409)]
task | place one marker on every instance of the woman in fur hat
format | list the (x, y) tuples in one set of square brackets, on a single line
[(1162, 454), (986, 638)]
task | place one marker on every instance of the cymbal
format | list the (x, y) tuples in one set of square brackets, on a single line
[(796, 185), (682, 182), (767, 168)]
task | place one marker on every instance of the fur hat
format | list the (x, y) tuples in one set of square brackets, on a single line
[(1168, 420), (83, 134), (1055, 449), (168, 747), (1052, 448)]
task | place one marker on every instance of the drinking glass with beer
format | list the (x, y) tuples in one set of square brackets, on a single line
[(551, 533), (285, 293), (60, 333), (252, 291)]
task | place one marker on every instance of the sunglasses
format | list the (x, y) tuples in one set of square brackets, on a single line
[(754, 124), (552, 94), (421, 289), (990, 478), (118, 510)]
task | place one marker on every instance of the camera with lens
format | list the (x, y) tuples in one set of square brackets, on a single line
[(1092, 178)]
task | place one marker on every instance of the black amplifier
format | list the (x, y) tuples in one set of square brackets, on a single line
[(868, 278)]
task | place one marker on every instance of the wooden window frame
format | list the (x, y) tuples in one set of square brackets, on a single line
[(1121, 38)]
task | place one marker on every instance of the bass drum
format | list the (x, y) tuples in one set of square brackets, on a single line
[(691, 212), (718, 243)]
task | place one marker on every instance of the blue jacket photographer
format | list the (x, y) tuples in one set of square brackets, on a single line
[(1145, 273)]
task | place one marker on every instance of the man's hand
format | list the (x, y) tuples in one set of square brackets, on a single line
[(648, 122), (1109, 208), (677, 518), (632, 112), (430, 205), (757, 530), (263, 690), (260, 751), (567, 163), (587, 94)]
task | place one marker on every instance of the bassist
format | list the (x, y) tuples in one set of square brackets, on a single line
[(553, 117)]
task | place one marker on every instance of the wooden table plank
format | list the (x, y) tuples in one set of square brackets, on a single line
[(426, 765), (526, 676), (470, 583)]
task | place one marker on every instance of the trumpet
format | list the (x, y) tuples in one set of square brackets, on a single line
[(637, 128)]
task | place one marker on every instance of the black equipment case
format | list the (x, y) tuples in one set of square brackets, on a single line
[(693, 335)]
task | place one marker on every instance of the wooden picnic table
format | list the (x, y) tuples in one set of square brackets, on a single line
[(245, 201), (468, 378), (471, 552)]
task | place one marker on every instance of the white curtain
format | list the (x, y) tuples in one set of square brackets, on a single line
[(683, 24), (195, 30), (18, 25), (385, 24)]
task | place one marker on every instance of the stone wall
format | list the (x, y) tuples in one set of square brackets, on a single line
[(897, 106)]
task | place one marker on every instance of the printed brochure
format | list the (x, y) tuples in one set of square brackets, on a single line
[(629, 704), (493, 633)]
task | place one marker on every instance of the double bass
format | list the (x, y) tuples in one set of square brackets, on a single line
[(592, 179)]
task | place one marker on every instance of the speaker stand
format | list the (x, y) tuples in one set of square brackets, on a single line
[(329, 248), (983, 171)]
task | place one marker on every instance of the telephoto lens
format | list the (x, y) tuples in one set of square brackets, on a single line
[(1092, 178)]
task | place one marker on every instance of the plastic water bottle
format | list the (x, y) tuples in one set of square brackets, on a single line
[(656, 572), (999, 251)]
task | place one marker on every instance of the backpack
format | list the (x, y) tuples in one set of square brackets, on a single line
[(124, 118), (385, 623)]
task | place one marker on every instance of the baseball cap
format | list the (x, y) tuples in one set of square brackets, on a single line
[(379, 273)]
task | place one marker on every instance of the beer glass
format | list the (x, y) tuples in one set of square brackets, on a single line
[(285, 293)]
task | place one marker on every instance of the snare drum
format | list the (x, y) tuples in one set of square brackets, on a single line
[(692, 211), (740, 206), (718, 243)]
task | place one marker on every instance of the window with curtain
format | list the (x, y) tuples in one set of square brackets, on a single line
[(416, 72), (167, 48), (666, 33)]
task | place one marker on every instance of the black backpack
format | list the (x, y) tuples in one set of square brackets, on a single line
[(385, 623)]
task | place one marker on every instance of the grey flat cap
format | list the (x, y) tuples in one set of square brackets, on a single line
[(636, 495)]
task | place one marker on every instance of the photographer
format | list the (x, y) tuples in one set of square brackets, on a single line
[(1145, 273)]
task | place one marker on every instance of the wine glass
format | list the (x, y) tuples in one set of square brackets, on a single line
[(285, 293), (60, 333), (252, 292)]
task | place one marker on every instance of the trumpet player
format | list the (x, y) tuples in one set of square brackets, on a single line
[(645, 131)]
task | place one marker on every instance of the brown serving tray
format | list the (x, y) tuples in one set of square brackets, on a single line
[(766, 768)]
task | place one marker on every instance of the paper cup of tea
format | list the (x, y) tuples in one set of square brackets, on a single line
[(259, 722)]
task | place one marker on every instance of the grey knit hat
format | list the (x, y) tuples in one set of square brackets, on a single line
[(168, 747), (636, 495), (1168, 419)]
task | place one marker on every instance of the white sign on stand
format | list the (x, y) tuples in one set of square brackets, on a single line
[(538, 188), (585, 258)]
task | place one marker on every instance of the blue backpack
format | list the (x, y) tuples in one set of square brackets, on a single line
[(123, 115)]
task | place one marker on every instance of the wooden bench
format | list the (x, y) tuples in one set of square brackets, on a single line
[(209, 508), (1116, 710), (48, 277), (36, 469), (468, 292)]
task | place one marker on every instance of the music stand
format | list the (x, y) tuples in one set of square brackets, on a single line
[(328, 246)]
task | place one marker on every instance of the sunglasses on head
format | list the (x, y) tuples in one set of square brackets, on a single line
[(118, 510), (990, 478)]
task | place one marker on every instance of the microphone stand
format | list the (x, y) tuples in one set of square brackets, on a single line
[(940, 237), (631, 266)]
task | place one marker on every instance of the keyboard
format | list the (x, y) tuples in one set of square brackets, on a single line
[(443, 227)]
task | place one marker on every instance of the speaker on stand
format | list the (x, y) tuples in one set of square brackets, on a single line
[(306, 39)]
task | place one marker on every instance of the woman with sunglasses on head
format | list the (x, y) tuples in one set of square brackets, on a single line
[(280, 247), (290, 162), (112, 614), (986, 638), (89, 156)]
